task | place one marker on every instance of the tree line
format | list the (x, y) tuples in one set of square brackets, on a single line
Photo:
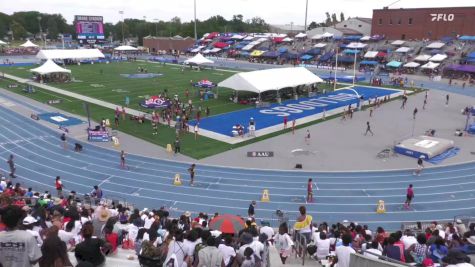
[(330, 20), (31, 24)]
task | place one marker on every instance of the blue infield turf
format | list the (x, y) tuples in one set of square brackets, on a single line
[(293, 109), (60, 119)]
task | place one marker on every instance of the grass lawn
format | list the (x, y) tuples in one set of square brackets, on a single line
[(113, 88)]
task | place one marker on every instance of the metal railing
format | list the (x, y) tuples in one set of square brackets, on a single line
[(300, 246)]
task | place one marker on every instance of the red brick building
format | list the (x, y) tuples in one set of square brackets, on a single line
[(423, 23), (168, 44)]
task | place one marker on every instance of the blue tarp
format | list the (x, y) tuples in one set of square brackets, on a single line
[(244, 53), (283, 50), (291, 56), (345, 59), (313, 51), (368, 62), (342, 78), (467, 38), (353, 37), (471, 55), (445, 155), (394, 64), (351, 51), (327, 56), (306, 57), (271, 54)]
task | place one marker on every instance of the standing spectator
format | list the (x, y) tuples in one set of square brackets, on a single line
[(283, 242), (309, 191), (285, 122), (207, 111), (343, 252), (25, 252), (210, 255), (64, 141), (303, 225), (11, 164), (122, 159), (368, 129), (227, 250), (420, 166), (447, 100), (54, 250), (59, 186), (409, 197), (307, 137), (425, 103), (191, 170), (96, 194), (414, 113), (196, 129), (91, 249), (177, 145), (250, 210), (392, 251), (28, 224), (293, 126)]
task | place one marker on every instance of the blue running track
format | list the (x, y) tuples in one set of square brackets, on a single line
[(441, 193)]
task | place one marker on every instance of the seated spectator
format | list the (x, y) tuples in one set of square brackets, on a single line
[(370, 252), (438, 250), (28, 223), (67, 236), (343, 252), (418, 251), (91, 250), (408, 239), (323, 246), (455, 258), (148, 247), (392, 251), (54, 250)]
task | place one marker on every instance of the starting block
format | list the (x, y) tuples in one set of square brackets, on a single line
[(381, 207), (177, 179), (265, 196), (115, 140), (169, 148)]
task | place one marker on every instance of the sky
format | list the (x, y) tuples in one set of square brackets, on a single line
[(272, 11)]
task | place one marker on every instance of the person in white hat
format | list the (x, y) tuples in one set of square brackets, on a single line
[(28, 223)]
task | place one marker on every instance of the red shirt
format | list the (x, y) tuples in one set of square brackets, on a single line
[(410, 192), (285, 120), (309, 187), (59, 185)]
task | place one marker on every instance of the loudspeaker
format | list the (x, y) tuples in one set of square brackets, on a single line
[(298, 166)]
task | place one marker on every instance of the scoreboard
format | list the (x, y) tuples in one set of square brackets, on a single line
[(89, 29)]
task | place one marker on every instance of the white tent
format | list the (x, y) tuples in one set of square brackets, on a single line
[(2, 42), (249, 38), (49, 67), (403, 49), (327, 35), (215, 50), (398, 42), (206, 51), (356, 45), (422, 58), (438, 57), (287, 39), (198, 59), (270, 79), (430, 65), (365, 38), (320, 45), (435, 45), (371, 54), (28, 43), (237, 37), (125, 48), (301, 35), (411, 65), (317, 37), (70, 54)]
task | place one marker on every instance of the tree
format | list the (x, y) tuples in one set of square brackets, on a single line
[(342, 16), (334, 19), (4, 22), (18, 30), (328, 21), (52, 28), (312, 25)]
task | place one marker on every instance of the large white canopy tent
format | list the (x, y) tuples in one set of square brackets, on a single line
[(49, 67), (301, 35), (70, 54), (403, 49), (438, 57), (435, 45), (126, 48), (411, 65), (356, 45), (28, 43), (2, 42), (198, 59), (430, 65), (422, 58), (320, 45), (371, 54), (398, 42), (270, 79)]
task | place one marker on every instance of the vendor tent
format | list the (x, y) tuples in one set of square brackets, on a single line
[(70, 54), (237, 37), (398, 42), (422, 58), (365, 38), (287, 39), (49, 67), (2, 42), (369, 62), (320, 45), (394, 64), (403, 49), (198, 59), (430, 65), (462, 68), (257, 53), (270, 79), (356, 45), (438, 57), (28, 43), (215, 50), (317, 37), (371, 54), (435, 45), (126, 48), (301, 35), (411, 65), (327, 35)]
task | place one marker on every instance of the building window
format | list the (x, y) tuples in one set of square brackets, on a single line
[(344, 25), (410, 21), (359, 26), (399, 22), (380, 21), (390, 21)]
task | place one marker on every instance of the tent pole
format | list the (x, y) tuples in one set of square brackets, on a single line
[(336, 68)]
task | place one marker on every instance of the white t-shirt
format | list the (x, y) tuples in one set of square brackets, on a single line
[(65, 236), (256, 246), (323, 248), (268, 231), (148, 222), (408, 241), (189, 247), (227, 251), (37, 236), (178, 249), (343, 254), (374, 251), (18, 248), (460, 265), (283, 242)]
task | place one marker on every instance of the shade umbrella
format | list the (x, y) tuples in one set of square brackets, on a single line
[(227, 223)]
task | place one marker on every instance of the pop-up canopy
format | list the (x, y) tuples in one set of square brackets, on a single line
[(126, 48), (49, 67), (198, 59), (28, 43)]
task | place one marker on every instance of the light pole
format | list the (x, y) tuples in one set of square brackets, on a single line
[(291, 27), (196, 33), (39, 26), (122, 13), (156, 27), (306, 12)]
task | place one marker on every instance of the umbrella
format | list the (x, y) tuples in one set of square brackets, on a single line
[(228, 224)]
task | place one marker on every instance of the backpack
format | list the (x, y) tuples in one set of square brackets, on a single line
[(198, 247)]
